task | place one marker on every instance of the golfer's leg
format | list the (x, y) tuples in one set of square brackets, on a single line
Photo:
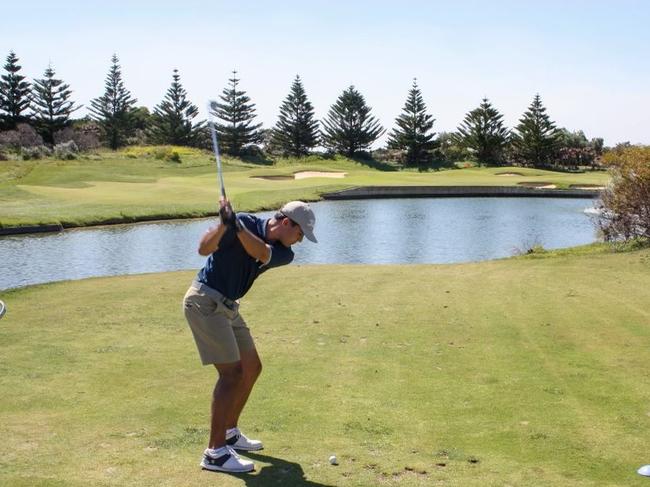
[(251, 367), (224, 400)]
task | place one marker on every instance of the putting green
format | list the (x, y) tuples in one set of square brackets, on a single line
[(525, 371)]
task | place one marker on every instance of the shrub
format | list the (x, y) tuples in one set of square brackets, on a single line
[(35, 152), (268, 144), (9, 140), (625, 203), (66, 151), (396, 156), (174, 157), (23, 137), (574, 157), (85, 135), (160, 152), (251, 150), (28, 136), (138, 137), (167, 154), (163, 152), (450, 150)]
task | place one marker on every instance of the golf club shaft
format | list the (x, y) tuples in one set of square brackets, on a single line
[(215, 147)]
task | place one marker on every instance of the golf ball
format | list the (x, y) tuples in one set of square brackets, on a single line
[(333, 460)]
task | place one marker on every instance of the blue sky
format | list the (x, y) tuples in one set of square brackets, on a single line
[(587, 59)]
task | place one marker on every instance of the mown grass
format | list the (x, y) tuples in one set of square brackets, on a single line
[(524, 371), (136, 185)]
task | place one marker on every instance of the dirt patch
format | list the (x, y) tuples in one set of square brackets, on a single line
[(537, 184), (406, 475), (508, 174), (273, 178), (586, 186), (319, 174)]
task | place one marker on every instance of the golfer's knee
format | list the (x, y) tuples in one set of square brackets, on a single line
[(253, 370), (252, 365), (231, 375), (258, 369)]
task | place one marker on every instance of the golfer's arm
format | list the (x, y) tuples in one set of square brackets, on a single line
[(210, 241), (254, 246)]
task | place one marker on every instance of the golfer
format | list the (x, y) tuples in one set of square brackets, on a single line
[(239, 248)]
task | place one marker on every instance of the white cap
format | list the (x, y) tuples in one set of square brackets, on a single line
[(302, 214)]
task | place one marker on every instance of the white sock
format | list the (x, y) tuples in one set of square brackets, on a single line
[(217, 452), (232, 432)]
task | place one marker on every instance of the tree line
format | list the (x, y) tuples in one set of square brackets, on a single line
[(42, 112)]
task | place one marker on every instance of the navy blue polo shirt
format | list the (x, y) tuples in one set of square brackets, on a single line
[(230, 270)]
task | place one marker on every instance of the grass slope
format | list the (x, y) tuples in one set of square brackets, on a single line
[(525, 371), (130, 185)]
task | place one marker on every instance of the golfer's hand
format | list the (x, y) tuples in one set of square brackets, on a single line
[(225, 211), (227, 214)]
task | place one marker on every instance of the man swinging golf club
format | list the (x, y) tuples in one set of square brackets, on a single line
[(239, 248)]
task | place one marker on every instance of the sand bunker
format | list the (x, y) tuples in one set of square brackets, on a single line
[(273, 178), (319, 174), (537, 185), (303, 175), (586, 186), (508, 174)]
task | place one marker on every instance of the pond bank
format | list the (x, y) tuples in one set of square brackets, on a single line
[(367, 192), (363, 192), (432, 230)]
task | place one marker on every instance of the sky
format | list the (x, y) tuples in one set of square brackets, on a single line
[(588, 60)]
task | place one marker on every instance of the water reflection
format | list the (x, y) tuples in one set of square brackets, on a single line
[(387, 231)]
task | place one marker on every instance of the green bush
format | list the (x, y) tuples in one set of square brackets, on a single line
[(625, 203), (167, 154), (35, 152), (66, 151), (163, 152), (175, 157)]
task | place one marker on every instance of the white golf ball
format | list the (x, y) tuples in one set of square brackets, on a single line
[(333, 460)]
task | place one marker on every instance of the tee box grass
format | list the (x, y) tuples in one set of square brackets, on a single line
[(530, 371)]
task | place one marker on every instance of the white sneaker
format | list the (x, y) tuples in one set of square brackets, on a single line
[(225, 459), (238, 441)]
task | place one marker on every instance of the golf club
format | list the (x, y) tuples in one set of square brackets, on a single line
[(212, 106), (3, 309)]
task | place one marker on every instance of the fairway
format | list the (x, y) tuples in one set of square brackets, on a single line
[(127, 186), (524, 371)]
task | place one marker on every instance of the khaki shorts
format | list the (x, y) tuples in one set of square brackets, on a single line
[(220, 332)]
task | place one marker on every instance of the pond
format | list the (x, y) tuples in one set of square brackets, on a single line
[(384, 231)]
